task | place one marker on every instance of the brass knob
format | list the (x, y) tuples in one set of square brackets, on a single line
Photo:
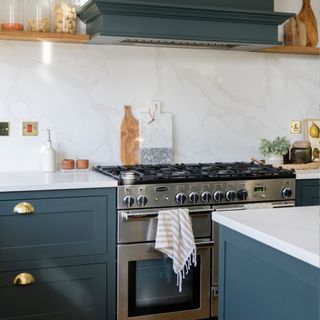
[(24, 208), (24, 279)]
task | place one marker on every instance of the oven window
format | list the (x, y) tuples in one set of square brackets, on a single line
[(153, 288)]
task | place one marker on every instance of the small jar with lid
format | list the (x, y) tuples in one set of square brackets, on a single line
[(38, 16), (64, 16), (301, 152), (12, 15)]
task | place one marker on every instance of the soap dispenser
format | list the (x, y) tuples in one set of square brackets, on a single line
[(48, 156)]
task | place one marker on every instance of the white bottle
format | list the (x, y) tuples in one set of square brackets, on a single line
[(48, 156)]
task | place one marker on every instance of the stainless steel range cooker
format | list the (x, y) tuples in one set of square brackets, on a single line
[(146, 285)]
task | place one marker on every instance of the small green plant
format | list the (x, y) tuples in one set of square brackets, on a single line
[(279, 146)]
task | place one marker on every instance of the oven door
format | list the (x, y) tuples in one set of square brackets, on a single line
[(147, 285)]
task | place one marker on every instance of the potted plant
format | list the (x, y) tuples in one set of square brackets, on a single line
[(274, 151)]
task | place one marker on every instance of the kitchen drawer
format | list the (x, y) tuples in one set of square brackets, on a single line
[(60, 227), (68, 293)]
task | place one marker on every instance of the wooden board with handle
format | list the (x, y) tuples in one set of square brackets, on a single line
[(295, 33), (130, 144), (307, 16)]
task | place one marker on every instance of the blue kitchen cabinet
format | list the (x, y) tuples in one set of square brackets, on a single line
[(68, 246), (307, 192), (257, 282)]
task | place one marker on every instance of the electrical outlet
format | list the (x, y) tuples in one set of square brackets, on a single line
[(295, 126), (29, 128), (4, 128)]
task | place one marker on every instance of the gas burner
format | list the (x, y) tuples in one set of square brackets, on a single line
[(147, 174)]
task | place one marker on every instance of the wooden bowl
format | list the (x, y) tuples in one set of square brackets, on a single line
[(67, 164), (82, 163)]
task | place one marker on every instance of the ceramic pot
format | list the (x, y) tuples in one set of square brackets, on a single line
[(275, 160)]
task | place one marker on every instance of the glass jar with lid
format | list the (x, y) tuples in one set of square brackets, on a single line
[(64, 16), (38, 15), (12, 15)]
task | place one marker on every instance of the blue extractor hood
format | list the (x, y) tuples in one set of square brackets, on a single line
[(226, 24)]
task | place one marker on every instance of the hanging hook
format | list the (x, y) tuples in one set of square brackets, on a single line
[(152, 114)]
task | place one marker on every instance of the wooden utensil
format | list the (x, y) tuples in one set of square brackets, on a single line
[(307, 16), (129, 151), (295, 33)]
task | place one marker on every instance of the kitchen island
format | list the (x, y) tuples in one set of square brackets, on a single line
[(269, 264)]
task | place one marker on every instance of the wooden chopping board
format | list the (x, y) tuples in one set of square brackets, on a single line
[(302, 166), (295, 33), (307, 16), (129, 149)]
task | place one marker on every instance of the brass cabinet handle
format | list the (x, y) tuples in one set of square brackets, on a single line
[(24, 279), (24, 208)]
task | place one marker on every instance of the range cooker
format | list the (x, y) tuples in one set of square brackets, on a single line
[(146, 284)]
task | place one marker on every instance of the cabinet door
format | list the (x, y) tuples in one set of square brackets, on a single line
[(308, 192), (67, 293), (59, 227)]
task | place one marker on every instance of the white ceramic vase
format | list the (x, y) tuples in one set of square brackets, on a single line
[(275, 160)]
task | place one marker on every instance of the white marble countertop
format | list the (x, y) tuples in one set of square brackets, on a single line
[(31, 181), (294, 231), (308, 174)]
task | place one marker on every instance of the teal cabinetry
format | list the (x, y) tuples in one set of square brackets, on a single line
[(308, 192), (68, 246), (257, 282)]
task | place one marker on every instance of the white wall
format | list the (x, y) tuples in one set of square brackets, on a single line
[(223, 102)]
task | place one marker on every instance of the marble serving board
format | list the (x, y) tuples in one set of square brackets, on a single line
[(156, 138)]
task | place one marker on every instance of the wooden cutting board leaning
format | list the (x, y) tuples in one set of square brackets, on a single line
[(130, 142), (295, 33), (156, 136), (307, 16)]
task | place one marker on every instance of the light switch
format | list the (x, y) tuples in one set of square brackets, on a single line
[(29, 128), (295, 126)]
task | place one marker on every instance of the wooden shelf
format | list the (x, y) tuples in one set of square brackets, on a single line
[(42, 36), (292, 50)]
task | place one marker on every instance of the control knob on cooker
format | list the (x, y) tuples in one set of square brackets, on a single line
[(242, 194), (218, 196), (231, 195), (128, 201), (142, 200), (205, 197), (286, 192), (181, 198), (193, 197)]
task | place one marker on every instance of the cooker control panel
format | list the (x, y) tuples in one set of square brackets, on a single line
[(195, 193)]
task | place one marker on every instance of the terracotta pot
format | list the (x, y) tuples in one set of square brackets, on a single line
[(82, 164), (67, 164)]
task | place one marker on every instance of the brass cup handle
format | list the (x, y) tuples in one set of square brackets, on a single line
[(24, 279), (24, 208)]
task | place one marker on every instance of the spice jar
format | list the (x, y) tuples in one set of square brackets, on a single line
[(64, 16), (12, 15), (38, 16)]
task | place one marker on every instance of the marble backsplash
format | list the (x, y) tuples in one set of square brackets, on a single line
[(222, 102)]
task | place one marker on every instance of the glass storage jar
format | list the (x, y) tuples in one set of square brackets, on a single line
[(38, 15), (64, 16), (12, 15)]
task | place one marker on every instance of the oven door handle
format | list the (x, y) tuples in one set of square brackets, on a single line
[(148, 215), (207, 244), (230, 209)]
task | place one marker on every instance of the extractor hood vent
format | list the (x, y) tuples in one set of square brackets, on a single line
[(227, 24)]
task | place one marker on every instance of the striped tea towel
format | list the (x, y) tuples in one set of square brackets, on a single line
[(175, 238)]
